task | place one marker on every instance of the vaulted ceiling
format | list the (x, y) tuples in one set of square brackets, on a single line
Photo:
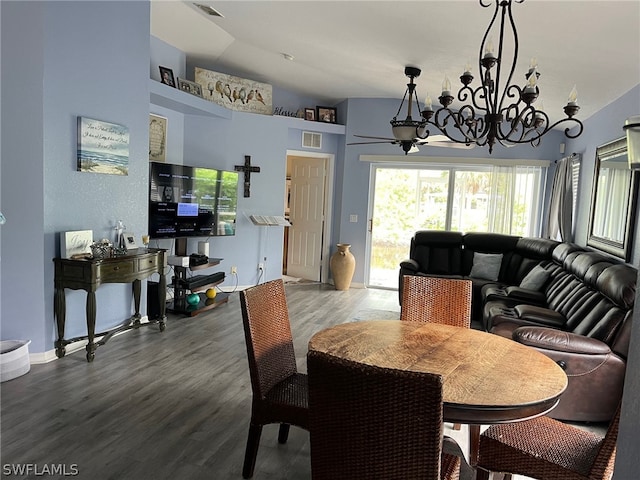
[(346, 49)]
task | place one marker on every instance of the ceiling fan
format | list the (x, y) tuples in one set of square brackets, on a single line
[(410, 133), (412, 145)]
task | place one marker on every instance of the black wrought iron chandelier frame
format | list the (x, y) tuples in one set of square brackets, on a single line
[(492, 113)]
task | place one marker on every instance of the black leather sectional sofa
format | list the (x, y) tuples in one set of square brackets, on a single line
[(569, 302)]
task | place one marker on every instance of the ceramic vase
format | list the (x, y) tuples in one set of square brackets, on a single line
[(342, 264)]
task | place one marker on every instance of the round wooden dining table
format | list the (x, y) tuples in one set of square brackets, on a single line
[(486, 378)]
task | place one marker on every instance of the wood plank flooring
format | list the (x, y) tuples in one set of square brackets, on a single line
[(171, 405)]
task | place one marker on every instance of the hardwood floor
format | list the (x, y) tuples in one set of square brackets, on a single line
[(171, 405)]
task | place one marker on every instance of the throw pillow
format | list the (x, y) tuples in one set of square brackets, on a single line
[(535, 279), (486, 266)]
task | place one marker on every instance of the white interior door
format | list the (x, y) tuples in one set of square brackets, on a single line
[(306, 215)]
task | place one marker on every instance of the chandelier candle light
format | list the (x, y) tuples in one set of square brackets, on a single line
[(492, 112)]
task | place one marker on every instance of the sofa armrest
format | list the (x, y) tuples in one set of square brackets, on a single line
[(542, 316), (595, 374), (559, 341), (525, 295), (409, 265)]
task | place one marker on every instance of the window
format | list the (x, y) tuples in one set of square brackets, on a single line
[(469, 198)]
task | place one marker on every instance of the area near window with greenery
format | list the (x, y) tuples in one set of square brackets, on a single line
[(476, 198)]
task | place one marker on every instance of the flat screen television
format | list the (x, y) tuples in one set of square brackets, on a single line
[(191, 201)]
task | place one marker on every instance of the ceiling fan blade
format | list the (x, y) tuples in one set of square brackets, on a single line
[(434, 138), (376, 138), (414, 149), (450, 145), (368, 143)]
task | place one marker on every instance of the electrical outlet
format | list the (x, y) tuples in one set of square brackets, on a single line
[(234, 270), (261, 266)]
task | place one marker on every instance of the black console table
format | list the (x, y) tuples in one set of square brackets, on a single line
[(89, 274)]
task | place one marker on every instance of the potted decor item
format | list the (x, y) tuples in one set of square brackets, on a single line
[(342, 264)]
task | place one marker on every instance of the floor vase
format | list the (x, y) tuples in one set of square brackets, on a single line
[(342, 264)]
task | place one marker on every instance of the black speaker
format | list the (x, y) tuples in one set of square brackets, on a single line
[(153, 300)]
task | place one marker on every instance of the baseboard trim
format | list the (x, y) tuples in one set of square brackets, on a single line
[(50, 355)]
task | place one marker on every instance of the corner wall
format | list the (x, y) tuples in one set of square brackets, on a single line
[(61, 60)]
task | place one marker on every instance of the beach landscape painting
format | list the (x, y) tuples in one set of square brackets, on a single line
[(103, 147)]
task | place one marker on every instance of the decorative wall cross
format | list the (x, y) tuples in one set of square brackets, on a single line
[(247, 168)]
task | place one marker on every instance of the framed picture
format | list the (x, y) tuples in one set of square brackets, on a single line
[(129, 240), (235, 93), (190, 87), (166, 77), (326, 114), (76, 244), (103, 147), (309, 114), (157, 138)]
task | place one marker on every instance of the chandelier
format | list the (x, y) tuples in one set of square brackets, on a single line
[(496, 111)]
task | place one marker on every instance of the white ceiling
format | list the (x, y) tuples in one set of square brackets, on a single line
[(348, 49)]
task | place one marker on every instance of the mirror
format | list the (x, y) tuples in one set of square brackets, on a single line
[(613, 201)]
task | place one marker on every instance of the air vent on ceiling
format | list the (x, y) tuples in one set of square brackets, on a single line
[(312, 140), (209, 10)]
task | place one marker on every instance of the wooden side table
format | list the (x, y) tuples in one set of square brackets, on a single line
[(89, 274)]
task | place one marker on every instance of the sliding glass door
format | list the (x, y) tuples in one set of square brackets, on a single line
[(477, 198)]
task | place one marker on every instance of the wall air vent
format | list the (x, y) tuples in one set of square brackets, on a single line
[(312, 140)]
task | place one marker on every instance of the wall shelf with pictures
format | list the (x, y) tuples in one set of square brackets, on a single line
[(174, 99), (168, 97)]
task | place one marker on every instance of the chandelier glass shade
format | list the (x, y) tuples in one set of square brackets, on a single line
[(496, 111)]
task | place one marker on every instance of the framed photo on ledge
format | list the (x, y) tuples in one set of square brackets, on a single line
[(310, 114), (190, 87), (326, 114), (166, 76)]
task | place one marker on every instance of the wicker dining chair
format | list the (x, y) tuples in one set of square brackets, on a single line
[(547, 449), (280, 393), (436, 299), (369, 422)]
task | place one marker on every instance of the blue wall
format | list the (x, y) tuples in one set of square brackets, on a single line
[(61, 60)]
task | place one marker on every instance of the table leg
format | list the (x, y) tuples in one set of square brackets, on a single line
[(60, 313), (136, 301), (91, 325), (162, 298), (474, 444)]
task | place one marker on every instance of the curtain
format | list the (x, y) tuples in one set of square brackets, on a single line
[(501, 199), (560, 219)]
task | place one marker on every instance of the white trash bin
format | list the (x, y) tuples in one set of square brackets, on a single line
[(14, 359)]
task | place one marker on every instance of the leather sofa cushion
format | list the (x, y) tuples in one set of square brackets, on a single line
[(437, 252), (564, 249), (618, 283)]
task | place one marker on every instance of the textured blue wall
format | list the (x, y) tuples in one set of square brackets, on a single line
[(67, 59)]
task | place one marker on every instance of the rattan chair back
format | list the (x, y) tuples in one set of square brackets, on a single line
[(280, 393), (370, 422), (436, 299), (268, 335)]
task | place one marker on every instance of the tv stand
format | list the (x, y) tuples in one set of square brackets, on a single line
[(182, 285)]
